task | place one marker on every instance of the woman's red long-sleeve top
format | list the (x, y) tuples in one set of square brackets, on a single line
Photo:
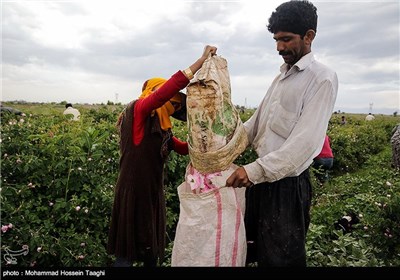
[(145, 106)]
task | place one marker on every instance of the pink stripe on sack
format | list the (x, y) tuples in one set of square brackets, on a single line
[(219, 228), (237, 225)]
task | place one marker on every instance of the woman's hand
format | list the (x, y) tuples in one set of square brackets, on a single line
[(190, 71), (209, 50)]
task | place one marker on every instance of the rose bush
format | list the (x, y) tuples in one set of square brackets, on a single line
[(58, 178)]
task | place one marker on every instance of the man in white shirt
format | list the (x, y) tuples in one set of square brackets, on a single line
[(395, 140), (369, 117), (287, 131), (72, 111)]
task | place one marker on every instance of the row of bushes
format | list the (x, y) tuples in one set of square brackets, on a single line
[(58, 181)]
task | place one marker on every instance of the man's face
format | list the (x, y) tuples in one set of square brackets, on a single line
[(290, 46)]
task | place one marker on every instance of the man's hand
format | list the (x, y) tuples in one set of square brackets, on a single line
[(239, 179)]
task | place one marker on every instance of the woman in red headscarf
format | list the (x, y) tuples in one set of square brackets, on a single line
[(138, 226)]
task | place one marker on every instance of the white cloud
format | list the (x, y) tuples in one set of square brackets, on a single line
[(87, 51)]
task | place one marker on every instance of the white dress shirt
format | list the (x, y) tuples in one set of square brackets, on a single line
[(74, 112), (288, 128)]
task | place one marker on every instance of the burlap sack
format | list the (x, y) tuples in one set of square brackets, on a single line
[(216, 133), (210, 230)]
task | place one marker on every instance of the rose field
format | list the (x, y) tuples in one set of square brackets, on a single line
[(58, 178)]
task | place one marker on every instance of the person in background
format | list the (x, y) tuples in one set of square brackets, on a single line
[(344, 121), (72, 111), (395, 141), (369, 117), (324, 161), (138, 222), (287, 131)]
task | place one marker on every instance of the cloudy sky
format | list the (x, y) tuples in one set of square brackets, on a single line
[(87, 51)]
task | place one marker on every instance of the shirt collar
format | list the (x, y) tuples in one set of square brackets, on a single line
[(302, 64)]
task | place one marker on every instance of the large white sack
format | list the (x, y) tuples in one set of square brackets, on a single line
[(210, 230)]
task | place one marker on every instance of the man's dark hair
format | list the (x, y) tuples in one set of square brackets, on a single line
[(294, 16), (68, 105)]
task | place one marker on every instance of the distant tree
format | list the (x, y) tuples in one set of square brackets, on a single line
[(395, 114)]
